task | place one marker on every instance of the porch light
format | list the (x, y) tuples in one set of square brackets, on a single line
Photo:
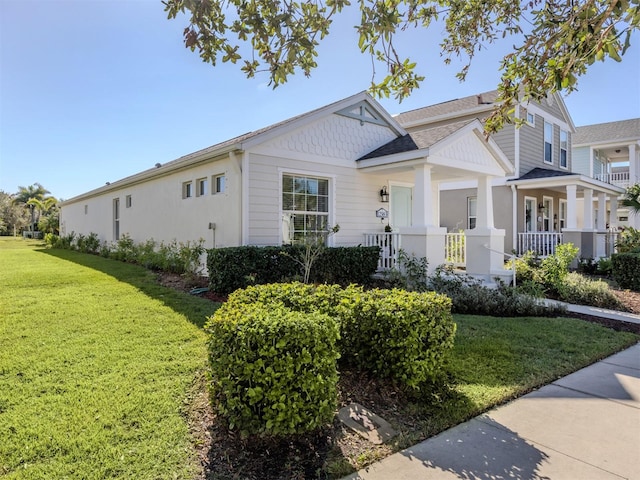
[(384, 195)]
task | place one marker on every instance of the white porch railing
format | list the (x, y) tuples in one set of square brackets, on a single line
[(455, 249), (619, 179), (542, 244), (389, 244), (606, 244)]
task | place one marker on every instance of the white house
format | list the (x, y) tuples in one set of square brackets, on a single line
[(326, 167)]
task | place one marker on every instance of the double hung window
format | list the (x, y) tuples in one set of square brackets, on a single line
[(305, 208)]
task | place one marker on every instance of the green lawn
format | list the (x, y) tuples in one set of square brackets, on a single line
[(96, 362)]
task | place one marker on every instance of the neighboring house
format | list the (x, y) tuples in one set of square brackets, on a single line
[(537, 206), (610, 152), (335, 165)]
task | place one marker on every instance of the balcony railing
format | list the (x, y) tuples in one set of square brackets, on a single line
[(542, 244), (619, 179)]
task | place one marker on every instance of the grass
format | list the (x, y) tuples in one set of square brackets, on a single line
[(96, 361)]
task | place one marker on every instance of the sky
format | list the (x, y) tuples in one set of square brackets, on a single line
[(92, 91)]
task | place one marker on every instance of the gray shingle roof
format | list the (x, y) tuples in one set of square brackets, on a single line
[(607, 132), (452, 106), (416, 140), (537, 173)]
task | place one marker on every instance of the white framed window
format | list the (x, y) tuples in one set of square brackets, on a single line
[(219, 184), (472, 212), (187, 189), (127, 201), (201, 187), (305, 208), (530, 211), (562, 217), (547, 214), (548, 142), (116, 219), (564, 142), (531, 119)]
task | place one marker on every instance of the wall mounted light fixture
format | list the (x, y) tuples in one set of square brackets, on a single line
[(384, 195)]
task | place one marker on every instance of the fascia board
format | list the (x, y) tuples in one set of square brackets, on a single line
[(608, 143), (563, 181)]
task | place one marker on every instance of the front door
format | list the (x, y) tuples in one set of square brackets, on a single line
[(401, 201)]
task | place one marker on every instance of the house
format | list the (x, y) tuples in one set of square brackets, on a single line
[(537, 205), (348, 163), (610, 152)]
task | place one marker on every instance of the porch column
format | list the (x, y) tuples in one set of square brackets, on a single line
[(588, 209), (602, 211), (571, 234), (422, 212), (485, 243), (634, 165), (572, 210), (484, 218), (613, 216), (424, 238)]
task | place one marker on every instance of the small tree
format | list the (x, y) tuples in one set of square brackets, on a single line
[(632, 198), (314, 244)]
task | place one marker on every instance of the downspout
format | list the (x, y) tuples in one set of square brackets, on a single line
[(245, 197), (514, 218)]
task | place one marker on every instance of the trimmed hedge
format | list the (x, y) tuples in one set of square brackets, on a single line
[(392, 333), (273, 369), (626, 270), (232, 268)]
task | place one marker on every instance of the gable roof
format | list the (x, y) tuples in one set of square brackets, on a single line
[(609, 132), (417, 140)]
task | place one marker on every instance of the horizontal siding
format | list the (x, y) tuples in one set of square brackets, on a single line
[(580, 160)]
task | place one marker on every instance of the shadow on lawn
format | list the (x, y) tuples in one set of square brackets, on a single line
[(195, 309)]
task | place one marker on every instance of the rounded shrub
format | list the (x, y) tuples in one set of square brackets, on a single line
[(396, 334), (273, 370)]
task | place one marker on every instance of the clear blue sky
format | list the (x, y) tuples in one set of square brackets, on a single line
[(95, 90)]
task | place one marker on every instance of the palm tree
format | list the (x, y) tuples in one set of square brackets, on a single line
[(632, 198), (25, 194)]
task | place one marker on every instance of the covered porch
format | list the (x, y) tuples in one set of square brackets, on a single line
[(411, 169)]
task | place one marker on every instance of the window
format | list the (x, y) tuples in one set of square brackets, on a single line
[(547, 214), (187, 190), (305, 208), (548, 142), (472, 206), (563, 148), (116, 219), (530, 214), (563, 214), (127, 201), (219, 184), (531, 119), (86, 209), (201, 187)]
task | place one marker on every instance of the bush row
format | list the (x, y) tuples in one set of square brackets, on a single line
[(232, 268), (174, 257), (626, 270), (273, 348)]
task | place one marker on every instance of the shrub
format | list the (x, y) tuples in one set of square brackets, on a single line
[(273, 370), (626, 270), (51, 239), (628, 241), (527, 268), (396, 334), (555, 267), (232, 268), (579, 290), (469, 296)]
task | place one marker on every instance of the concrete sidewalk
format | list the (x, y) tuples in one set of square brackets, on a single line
[(583, 426)]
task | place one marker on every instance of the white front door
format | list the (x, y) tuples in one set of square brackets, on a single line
[(400, 205)]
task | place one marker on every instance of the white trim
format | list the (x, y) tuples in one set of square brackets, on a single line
[(331, 220), (567, 149), (534, 223), (544, 142), (244, 197), (550, 199), (561, 202)]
